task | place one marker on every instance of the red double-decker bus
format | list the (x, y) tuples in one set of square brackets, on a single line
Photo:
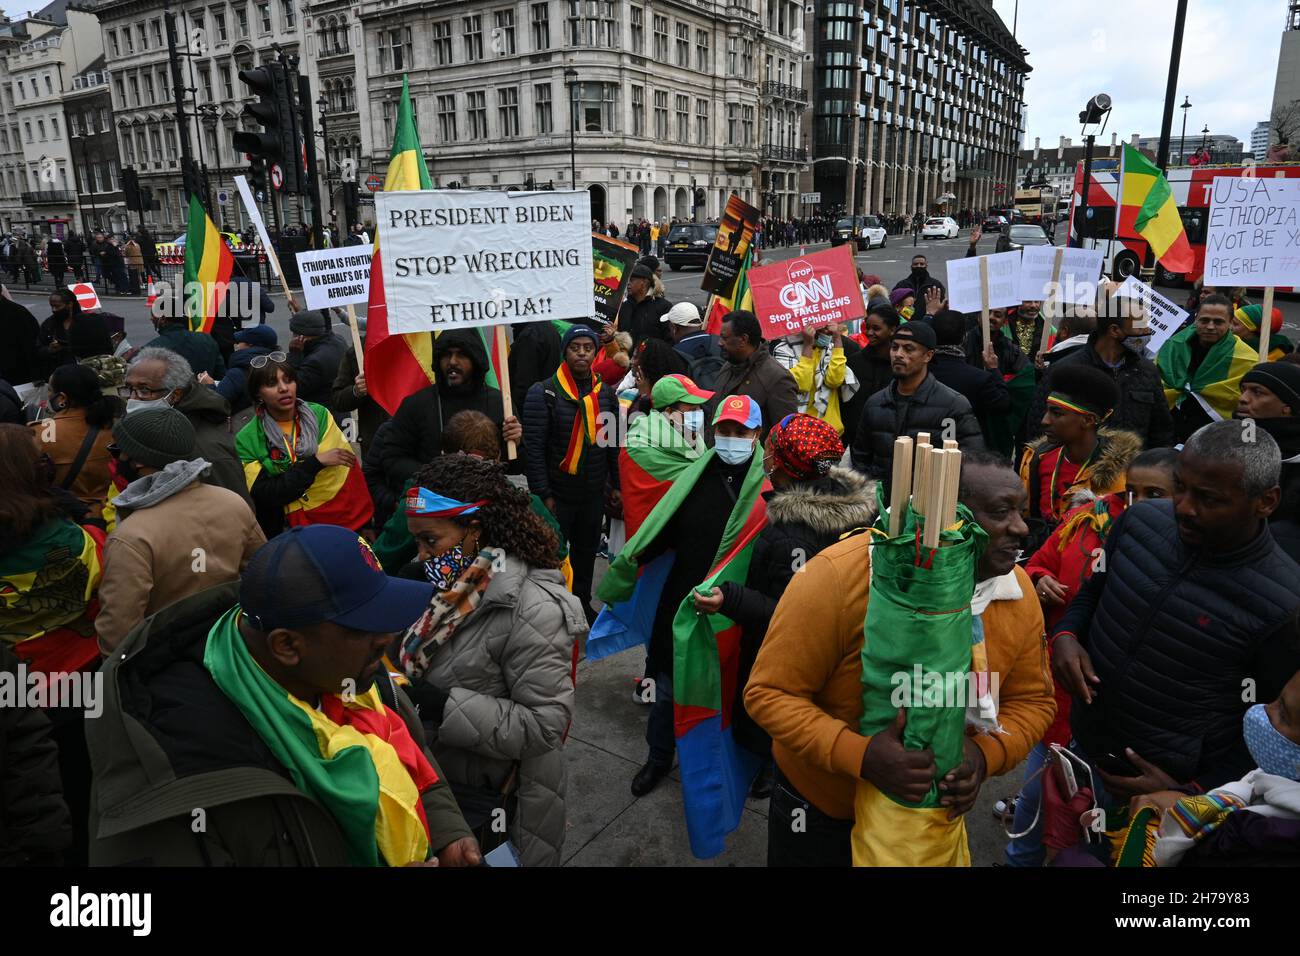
[(1125, 249)]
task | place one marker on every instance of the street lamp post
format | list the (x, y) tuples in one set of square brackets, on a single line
[(1182, 140), (569, 75), (1205, 133), (322, 103)]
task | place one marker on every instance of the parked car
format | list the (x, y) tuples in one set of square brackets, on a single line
[(689, 243), (866, 231), (994, 223), (1017, 237), (940, 227)]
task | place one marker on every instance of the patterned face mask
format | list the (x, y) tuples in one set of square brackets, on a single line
[(443, 570)]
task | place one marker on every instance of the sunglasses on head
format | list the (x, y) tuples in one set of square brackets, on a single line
[(261, 360)]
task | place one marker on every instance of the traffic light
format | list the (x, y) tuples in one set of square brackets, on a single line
[(351, 204), (700, 199), (276, 143), (131, 188), (194, 182), (257, 179)]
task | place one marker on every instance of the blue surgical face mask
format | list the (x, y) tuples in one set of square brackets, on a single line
[(734, 451), (1273, 752), (693, 420), (823, 342)]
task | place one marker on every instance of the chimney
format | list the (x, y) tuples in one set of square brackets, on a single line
[(1068, 142), (1114, 141), (1134, 141), (1037, 140), (1060, 148)]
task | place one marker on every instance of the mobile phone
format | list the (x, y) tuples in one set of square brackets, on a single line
[(1118, 765)]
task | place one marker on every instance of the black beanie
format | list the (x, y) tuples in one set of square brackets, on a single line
[(919, 332), (1280, 378), (155, 437)]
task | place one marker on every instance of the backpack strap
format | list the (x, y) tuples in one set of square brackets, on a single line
[(82, 454)]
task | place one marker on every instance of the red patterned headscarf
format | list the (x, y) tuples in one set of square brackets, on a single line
[(805, 447)]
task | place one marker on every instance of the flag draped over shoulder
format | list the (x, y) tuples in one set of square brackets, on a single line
[(655, 454), (208, 264), (1217, 381), (397, 365), (1146, 189), (741, 297)]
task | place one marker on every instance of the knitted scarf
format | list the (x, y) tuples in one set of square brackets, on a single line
[(306, 435), (584, 421)]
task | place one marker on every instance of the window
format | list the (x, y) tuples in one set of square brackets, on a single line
[(442, 55), (542, 116), (473, 38), (148, 89), (241, 17), (661, 39), (503, 35), (142, 32), (733, 55), (684, 45), (508, 110), (702, 51), (597, 28), (682, 106), (54, 128), (40, 129), (219, 21), (702, 128), (395, 49), (227, 87), (169, 135), (638, 110), (638, 30), (287, 14), (476, 103), (390, 110), (74, 129), (121, 93), (541, 20), (135, 91), (747, 59), (264, 15), (733, 123), (126, 38), (112, 42), (447, 118), (205, 81), (49, 86), (747, 125), (596, 106), (165, 84), (27, 131), (661, 116)]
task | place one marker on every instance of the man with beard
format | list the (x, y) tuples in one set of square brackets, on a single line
[(1270, 396), (1188, 619), (414, 438), (919, 279), (249, 689), (751, 370)]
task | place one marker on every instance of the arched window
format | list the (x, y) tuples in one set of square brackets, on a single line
[(349, 96), (341, 39)]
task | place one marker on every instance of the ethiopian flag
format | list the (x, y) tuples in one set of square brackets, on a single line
[(716, 771), (1216, 383), (741, 297), (339, 494), (208, 263), (1144, 188), (352, 754), (397, 365)]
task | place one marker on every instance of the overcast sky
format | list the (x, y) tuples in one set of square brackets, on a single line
[(1122, 47)]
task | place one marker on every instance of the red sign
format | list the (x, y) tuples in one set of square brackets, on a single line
[(810, 290), (86, 297), (277, 176)]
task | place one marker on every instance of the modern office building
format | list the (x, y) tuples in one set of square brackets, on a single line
[(1261, 139), (917, 105)]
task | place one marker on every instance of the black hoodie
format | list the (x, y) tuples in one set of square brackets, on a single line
[(415, 437), (1286, 432)]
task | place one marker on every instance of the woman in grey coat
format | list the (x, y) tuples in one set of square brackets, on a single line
[(491, 662)]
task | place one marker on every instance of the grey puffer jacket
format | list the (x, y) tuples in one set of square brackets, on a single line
[(508, 676)]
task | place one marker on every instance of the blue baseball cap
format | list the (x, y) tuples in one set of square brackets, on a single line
[(262, 335), (323, 572)]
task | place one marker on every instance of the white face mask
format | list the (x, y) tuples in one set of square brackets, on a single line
[(734, 451), (693, 420), (139, 404)]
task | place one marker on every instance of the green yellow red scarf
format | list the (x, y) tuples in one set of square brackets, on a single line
[(584, 422)]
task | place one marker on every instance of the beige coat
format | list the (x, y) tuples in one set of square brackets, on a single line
[(153, 558), (61, 437)]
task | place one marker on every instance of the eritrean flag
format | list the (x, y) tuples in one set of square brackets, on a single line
[(339, 494), (354, 756), (208, 263), (402, 364), (1217, 382), (1144, 187), (741, 297), (655, 454), (716, 772)]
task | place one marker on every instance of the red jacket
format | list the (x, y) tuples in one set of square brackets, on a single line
[(1070, 555)]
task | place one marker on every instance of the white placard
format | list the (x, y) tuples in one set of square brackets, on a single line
[(1164, 316), (255, 215), (1253, 238), (458, 257), (333, 277), (964, 282), (1080, 270)]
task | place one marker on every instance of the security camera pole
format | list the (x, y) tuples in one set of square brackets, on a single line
[(1097, 109)]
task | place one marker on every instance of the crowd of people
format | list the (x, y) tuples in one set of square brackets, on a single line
[(116, 263), (303, 608)]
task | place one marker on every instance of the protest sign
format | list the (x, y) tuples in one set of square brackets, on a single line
[(735, 234), (1080, 270), (1253, 238), (1164, 317), (255, 216), (454, 258), (806, 291), (335, 277), (612, 263), (964, 282)]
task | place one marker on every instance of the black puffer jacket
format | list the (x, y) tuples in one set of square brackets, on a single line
[(888, 416), (415, 437), (548, 423), (641, 320), (1177, 637), (34, 827), (317, 365), (801, 521), (1286, 432), (874, 372), (1142, 408)]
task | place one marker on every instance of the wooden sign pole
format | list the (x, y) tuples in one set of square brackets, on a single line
[(921, 463), (984, 302), (356, 339), (1266, 323), (900, 488), (503, 379), (1049, 306)]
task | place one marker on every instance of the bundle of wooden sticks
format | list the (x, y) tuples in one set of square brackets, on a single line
[(929, 476)]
